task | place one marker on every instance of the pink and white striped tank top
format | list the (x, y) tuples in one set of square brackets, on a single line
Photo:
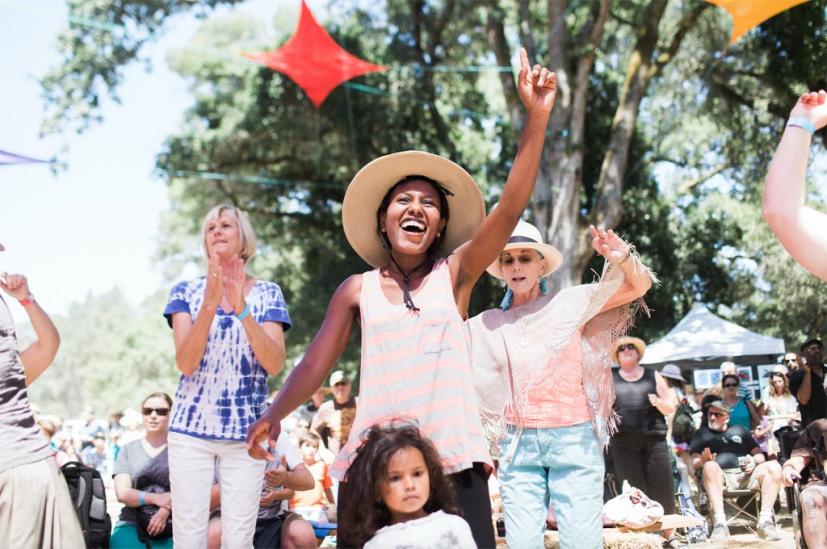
[(417, 366)]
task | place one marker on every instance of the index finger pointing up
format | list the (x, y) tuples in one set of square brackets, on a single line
[(523, 58), (524, 68)]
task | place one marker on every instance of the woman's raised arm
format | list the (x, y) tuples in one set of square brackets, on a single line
[(800, 229), (537, 88)]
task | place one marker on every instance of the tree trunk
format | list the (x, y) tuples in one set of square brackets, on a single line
[(556, 204)]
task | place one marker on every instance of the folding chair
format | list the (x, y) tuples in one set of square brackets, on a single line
[(738, 503)]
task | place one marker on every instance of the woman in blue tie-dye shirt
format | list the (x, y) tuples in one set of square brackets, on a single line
[(229, 335)]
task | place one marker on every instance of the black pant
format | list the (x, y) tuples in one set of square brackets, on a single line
[(471, 487), (643, 460)]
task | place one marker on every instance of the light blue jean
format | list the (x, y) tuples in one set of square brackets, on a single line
[(564, 464)]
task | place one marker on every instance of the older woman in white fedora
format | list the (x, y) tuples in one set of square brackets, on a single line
[(419, 221), (639, 449), (545, 389)]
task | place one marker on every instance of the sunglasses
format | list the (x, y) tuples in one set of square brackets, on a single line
[(525, 259), (160, 411), (730, 385), (626, 347), (718, 414)]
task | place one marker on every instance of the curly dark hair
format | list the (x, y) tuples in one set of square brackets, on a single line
[(365, 512)]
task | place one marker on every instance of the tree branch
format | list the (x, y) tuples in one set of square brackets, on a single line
[(687, 22), (607, 210), (584, 67), (499, 45), (524, 29), (691, 184)]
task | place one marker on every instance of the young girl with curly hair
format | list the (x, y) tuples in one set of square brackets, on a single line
[(400, 493)]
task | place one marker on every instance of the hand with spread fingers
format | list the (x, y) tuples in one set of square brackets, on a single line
[(537, 86), (606, 243)]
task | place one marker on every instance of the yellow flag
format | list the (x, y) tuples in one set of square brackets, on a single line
[(747, 14)]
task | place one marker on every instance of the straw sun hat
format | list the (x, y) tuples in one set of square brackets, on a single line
[(526, 235), (639, 344), (370, 185)]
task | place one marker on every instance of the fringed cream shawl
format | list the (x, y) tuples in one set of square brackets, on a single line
[(511, 349)]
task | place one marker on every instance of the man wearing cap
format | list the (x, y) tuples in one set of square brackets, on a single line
[(807, 383), (729, 456), (35, 508), (335, 417), (810, 449)]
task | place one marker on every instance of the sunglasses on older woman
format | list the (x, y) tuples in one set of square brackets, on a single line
[(626, 347), (160, 411)]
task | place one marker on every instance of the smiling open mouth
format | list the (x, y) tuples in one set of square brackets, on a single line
[(413, 226)]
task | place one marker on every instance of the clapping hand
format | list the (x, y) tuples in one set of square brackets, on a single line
[(234, 284), (537, 86), (609, 245), (813, 107), (214, 291)]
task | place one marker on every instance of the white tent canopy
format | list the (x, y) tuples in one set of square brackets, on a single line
[(701, 339)]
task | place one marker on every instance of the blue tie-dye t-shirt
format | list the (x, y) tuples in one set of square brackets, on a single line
[(227, 392)]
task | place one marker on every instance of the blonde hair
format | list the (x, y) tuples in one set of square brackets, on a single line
[(245, 229)]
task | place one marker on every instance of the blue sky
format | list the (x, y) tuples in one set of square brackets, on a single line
[(95, 224)]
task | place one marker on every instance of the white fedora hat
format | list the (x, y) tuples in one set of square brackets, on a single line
[(526, 235), (370, 185)]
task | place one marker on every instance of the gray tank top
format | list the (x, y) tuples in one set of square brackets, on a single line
[(20, 437)]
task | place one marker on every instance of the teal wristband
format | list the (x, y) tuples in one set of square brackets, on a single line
[(142, 499), (802, 123), (243, 314)]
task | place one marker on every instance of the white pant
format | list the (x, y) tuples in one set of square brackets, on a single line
[(192, 464)]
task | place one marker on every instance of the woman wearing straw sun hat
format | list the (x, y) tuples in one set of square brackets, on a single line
[(418, 220), (544, 383), (640, 451)]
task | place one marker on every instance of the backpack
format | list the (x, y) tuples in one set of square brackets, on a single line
[(89, 500), (683, 424)]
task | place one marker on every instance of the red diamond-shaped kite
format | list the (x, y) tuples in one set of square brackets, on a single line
[(313, 60)]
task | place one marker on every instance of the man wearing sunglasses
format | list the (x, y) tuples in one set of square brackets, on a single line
[(35, 507), (807, 383), (728, 456)]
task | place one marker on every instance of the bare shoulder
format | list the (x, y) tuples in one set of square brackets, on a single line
[(455, 263), (348, 292)]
